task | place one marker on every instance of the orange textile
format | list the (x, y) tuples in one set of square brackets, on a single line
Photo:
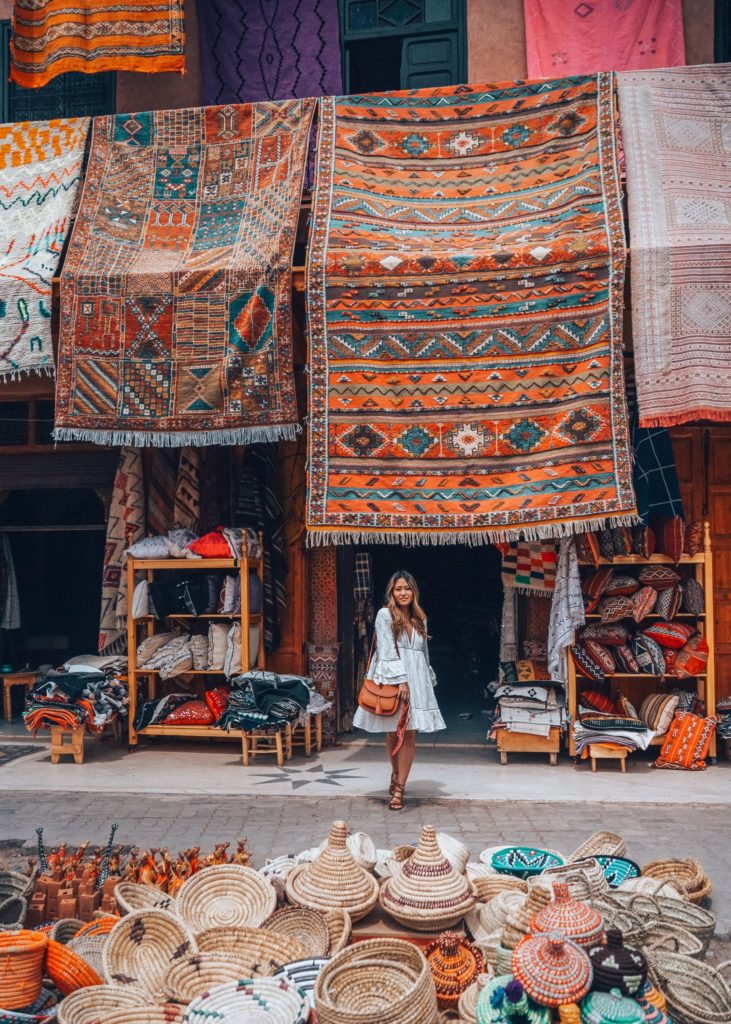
[(52, 37)]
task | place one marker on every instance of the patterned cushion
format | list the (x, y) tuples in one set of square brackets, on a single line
[(626, 661), (658, 576), (687, 743), (530, 671), (643, 541), (668, 602), (670, 634), (692, 659), (606, 633), (536, 650), (509, 671), (602, 723), (628, 708), (686, 699), (694, 538), (596, 700), (671, 656), (606, 544), (693, 597), (670, 533), (590, 604), (596, 584), (649, 655), (643, 602), (657, 711), (587, 549), (600, 654), (622, 540), (585, 664), (612, 609), (622, 585)]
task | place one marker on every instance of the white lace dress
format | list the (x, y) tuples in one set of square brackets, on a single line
[(409, 664)]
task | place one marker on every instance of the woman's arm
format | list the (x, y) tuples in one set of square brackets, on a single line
[(389, 667)]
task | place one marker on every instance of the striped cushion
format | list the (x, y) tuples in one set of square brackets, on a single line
[(658, 576), (595, 699), (602, 723), (670, 533), (670, 634), (657, 711), (596, 584), (687, 743)]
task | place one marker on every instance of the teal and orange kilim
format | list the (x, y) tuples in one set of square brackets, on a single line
[(176, 294), (465, 288)]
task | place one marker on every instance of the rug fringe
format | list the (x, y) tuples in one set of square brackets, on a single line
[(27, 371), (678, 419), (183, 439), (530, 591), (471, 538)]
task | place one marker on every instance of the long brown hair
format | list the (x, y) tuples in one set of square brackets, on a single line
[(413, 616)]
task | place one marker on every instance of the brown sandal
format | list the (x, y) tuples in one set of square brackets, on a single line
[(397, 800), (393, 783)]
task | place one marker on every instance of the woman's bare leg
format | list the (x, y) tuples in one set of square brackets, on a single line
[(405, 756)]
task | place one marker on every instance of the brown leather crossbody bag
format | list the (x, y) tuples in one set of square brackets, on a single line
[(379, 700)]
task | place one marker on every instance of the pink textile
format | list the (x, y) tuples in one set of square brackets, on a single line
[(581, 37)]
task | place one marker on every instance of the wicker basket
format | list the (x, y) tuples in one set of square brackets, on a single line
[(65, 929), (427, 894), (468, 1000), (12, 883), (695, 919), (13, 912), (67, 971), (21, 968), (488, 918), (230, 1003), (226, 896), (198, 972), (664, 935), (259, 950), (653, 887), (304, 974), (335, 879), (308, 927), (601, 844), (696, 993), (585, 878), (340, 927), (132, 896), (141, 948), (158, 1013), (689, 873), (402, 853), (378, 981), (90, 947), (489, 886), (93, 1005)]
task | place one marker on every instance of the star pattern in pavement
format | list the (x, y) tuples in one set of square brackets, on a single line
[(299, 777)]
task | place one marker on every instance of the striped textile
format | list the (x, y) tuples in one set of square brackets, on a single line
[(125, 526), (676, 130), (188, 490), (161, 465), (51, 37), (531, 566)]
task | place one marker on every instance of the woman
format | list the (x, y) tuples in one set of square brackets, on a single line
[(402, 659)]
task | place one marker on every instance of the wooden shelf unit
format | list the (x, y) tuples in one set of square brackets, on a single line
[(148, 625), (702, 570)]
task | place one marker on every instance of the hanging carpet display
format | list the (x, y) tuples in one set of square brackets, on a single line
[(465, 282), (176, 293), (676, 132), (51, 37), (40, 169), (125, 526)]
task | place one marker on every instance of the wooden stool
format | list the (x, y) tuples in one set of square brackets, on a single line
[(60, 746), (26, 679), (604, 752), (302, 735), (253, 743)]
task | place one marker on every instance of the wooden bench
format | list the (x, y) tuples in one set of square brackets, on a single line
[(607, 752), (255, 743), (67, 741), (11, 679)]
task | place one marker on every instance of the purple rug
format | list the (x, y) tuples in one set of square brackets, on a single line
[(269, 49)]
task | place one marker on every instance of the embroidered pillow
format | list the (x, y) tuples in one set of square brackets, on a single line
[(612, 609), (193, 712), (151, 645), (643, 541), (692, 660), (686, 699), (658, 576), (687, 743), (643, 603), (535, 650), (671, 656), (622, 585), (628, 708), (693, 597), (217, 700), (530, 671), (668, 602), (150, 547), (670, 533), (587, 549), (600, 655), (603, 724), (509, 671), (649, 655), (622, 540), (585, 664), (626, 661), (596, 584), (694, 538), (609, 633), (606, 545), (670, 634), (657, 711), (596, 700)]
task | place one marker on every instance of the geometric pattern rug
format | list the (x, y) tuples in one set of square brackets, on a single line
[(465, 283), (12, 751), (176, 293)]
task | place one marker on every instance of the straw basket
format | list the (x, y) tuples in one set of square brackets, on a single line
[(340, 927), (335, 879), (65, 929), (308, 927), (158, 1013), (378, 981), (696, 993), (492, 917), (13, 912), (304, 974), (653, 887), (427, 893), (402, 853), (468, 1000), (43, 1010), (21, 968), (89, 946), (664, 935), (689, 873), (585, 878), (276, 870), (93, 1005), (698, 920), (489, 886), (133, 896), (226, 896), (199, 972), (454, 964), (141, 948), (262, 1001), (456, 852), (601, 844), (67, 971), (12, 883), (259, 951)]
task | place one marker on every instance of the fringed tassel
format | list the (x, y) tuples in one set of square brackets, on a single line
[(192, 438), (678, 419), (18, 372), (531, 591), (471, 538)]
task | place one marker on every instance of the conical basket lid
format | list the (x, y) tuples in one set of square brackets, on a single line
[(552, 969), (334, 879), (427, 880), (574, 918)]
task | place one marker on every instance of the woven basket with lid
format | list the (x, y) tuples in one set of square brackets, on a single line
[(611, 1008), (454, 964), (306, 926), (575, 918), (93, 1005), (467, 1006), (142, 947), (334, 879), (226, 895), (617, 966), (504, 999), (552, 969), (427, 894), (260, 951), (518, 923)]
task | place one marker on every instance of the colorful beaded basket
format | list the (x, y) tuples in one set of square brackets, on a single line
[(575, 918), (523, 861), (618, 869), (617, 966), (552, 969), (454, 964), (611, 1008), (504, 999)]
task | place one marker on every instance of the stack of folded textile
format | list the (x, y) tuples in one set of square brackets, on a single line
[(265, 700), (223, 542), (76, 698), (603, 720), (175, 654), (528, 701)]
